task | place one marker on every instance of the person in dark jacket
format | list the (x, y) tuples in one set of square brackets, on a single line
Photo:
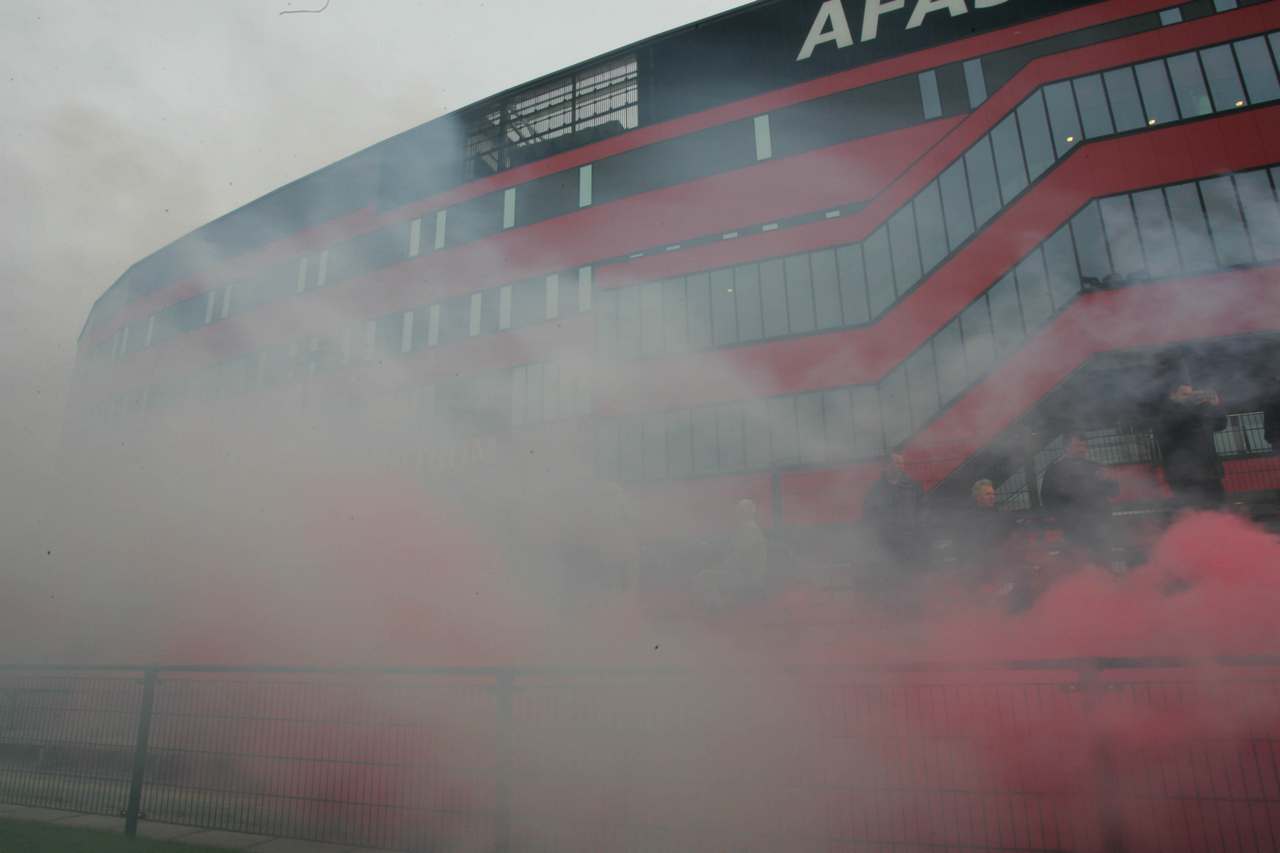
[(1075, 492), (1271, 415), (981, 536), (892, 508), (1187, 421)]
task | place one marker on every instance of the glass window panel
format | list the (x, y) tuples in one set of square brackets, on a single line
[(706, 456), (679, 444), (606, 322), (1259, 71), (933, 232), (757, 435), (655, 447), (1095, 115), (1157, 97), (746, 287), (811, 434), (929, 94), (518, 407), (551, 391), (1033, 290), (906, 254), (1122, 235), (629, 322), (1157, 233), (853, 284), (979, 346), (956, 207), (868, 431), (799, 293), (724, 309), (984, 188), (879, 267), (651, 319), (1190, 229), (1063, 118), (698, 296), (782, 421), (675, 315), (1126, 105), (1006, 316), (837, 410), (948, 354), (922, 385), (607, 449), (1091, 245), (630, 450), (773, 293), (895, 408), (1037, 140), (1224, 80), (1010, 166), (1188, 85), (1260, 213), (1060, 262), (534, 394), (826, 289), (731, 440), (975, 82), (1225, 223)]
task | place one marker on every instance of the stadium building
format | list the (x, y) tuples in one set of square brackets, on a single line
[(746, 257)]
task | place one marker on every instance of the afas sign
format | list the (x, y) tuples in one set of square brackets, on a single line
[(831, 26)]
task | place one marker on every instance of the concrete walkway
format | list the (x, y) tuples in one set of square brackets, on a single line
[(175, 833)]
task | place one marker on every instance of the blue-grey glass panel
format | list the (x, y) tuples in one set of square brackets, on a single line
[(929, 224), (1259, 71), (868, 431), (922, 385), (1033, 290), (629, 322), (679, 443), (895, 408), (757, 435), (1188, 85), (1156, 231), (724, 309), (655, 446), (1157, 96), (1006, 316), (984, 188), (975, 82), (630, 450), (651, 319), (1010, 166), (1194, 245), (1225, 5), (1122, 236), (799, 293), (979, 346), (607, 449), (1060, 262), (731, 439), (879, 264), (1063, 117), (853, 284), (706, 455), (1091, 244), (837, 410), (811, 433), (948, 354), (1095, 115), (1260, 213), (606, 322), (1225, 222), (1037, 141), (1126, 105), (698, 299), (906, 254), (675, 315), (773, 291), (782, 420), (1168, 17), (826, 289), (929, 94), (956, 206), (1224, 80), (746, 286)]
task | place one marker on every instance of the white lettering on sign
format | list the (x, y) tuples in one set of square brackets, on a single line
[(832, 25)]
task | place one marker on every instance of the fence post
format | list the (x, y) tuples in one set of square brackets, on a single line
[(134, 807), (505, 688)]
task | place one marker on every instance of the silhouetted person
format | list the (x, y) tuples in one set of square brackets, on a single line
[(892, 509), (981, 534), (1076, 493), (1271, 415), (1187, 421)]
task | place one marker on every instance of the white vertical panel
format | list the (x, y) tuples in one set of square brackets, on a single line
[(322, 271), (518, 376), (474, 327), (406, 332), (124, 340), (315, 348), (504, 307), (370, 339), (553, 296), (509, 208), (442, 219), (415, 237), (433, 326), (584, 186), (210, 300), (226, 300), (584, 289), (151, 329), (764, 138), (302, 274)]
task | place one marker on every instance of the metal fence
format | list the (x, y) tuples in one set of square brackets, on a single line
[(1040, 756)]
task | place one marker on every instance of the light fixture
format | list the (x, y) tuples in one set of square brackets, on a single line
[(1240, 103), (1151, 122), (1071, 139)]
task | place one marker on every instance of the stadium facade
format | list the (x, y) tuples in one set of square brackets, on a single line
[(746, 257)]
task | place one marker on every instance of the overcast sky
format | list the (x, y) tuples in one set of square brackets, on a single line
[(126, 124)]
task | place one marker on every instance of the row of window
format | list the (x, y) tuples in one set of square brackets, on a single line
[(1185, 228), (855, 284), (604, 96)]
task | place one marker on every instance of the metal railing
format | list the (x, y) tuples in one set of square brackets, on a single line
[(1069, 755)]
